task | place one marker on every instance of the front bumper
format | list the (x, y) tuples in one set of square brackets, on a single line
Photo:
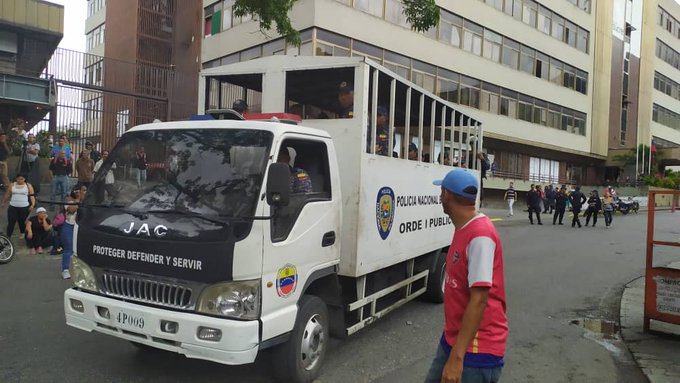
[(239, 343)]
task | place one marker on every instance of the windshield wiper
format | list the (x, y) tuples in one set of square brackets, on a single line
[(217, 220)]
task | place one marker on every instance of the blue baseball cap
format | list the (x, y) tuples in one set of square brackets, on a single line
[(346, 86), (461, 182), (382, 111)]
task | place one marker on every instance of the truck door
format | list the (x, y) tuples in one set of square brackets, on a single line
[(302, 237)]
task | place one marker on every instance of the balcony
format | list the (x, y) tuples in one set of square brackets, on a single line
[(28, 98)]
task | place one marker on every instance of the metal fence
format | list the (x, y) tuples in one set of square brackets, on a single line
[(99, 98)]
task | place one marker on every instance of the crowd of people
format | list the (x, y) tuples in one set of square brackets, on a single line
[(40, 233), (556, 201)]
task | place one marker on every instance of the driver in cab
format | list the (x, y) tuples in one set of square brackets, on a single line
[(299, 179)]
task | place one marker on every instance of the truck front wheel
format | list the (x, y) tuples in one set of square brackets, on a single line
[(435, 280), (300, 359)]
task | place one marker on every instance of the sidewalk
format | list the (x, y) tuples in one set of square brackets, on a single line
[(658, 355)]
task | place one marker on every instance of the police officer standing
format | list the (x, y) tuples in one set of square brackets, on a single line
[(577, 199), (534, 203)]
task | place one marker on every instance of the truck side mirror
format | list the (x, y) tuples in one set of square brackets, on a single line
[(278, 185)]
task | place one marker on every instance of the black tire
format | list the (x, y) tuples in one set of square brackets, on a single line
[(291, 363), (435, 280), (624, 211), (6, 250)]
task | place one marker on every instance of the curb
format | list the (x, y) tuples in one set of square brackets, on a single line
[(656, 356)]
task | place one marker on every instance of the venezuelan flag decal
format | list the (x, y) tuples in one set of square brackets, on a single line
[(286, 280)]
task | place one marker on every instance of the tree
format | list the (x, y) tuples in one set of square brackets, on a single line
[(421, 14)]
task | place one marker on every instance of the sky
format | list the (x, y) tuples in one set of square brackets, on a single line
[(75, 13)]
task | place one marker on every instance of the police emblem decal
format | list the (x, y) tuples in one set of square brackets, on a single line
[(384, 211), (286, 280)]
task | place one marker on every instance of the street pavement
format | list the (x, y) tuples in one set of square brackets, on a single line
[(557, 279)]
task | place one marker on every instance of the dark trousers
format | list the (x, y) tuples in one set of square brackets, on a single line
[(591, 212), (559, 214), (607, 217), (576, 221), (43, 239), (16, 215), (537, 210)]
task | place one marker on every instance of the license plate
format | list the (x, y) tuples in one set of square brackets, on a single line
[(129, 320)]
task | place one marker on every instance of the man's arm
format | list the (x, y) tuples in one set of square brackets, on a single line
[(453, 370), (29, 231)]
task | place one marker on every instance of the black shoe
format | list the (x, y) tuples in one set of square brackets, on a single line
[(540, 223), (553, 223), (579, 226), (560, 223), (531, 222)]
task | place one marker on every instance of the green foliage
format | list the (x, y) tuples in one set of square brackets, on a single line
[(670, 180), (268, 12), (421, 14)]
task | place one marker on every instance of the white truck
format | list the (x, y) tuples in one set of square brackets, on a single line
[(226, 249)]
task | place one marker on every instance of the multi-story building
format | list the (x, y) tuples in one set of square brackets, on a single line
[(524, 67), (30, 31), (659, 99), (142, 63)]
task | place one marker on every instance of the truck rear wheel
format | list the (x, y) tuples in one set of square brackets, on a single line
[(435, 280), (299, 360)]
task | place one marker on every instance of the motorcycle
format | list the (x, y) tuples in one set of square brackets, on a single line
[(6, 249), (626, 206)]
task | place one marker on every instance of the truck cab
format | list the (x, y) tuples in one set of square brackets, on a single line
[(258, 234)]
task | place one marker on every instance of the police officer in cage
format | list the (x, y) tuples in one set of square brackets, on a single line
[(240, 106), (346, 100)]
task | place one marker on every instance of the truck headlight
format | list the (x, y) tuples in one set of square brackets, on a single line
[(82, 275), (239, 300)]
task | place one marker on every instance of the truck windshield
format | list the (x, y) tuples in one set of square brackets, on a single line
[(211, 172)]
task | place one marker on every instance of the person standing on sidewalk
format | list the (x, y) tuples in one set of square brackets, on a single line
[(21, 201), (608, 208), (510, 196), (472, 347), (534, 203), (140, 164), (60, 168), (66, 236), (561, 199), (577, 199), (85, 169), (5, 151), (594, 207)]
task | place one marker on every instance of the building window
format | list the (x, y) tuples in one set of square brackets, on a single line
[(510, 53), (666, 117), (94, 6), (447, 84), (373, 7), (492, 45), (544, 170), (527, 59), (95, 37), (667, 54), (472, 38), (539, 17), (450, 27), (212, 21), (530, 12), (544, 20)]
